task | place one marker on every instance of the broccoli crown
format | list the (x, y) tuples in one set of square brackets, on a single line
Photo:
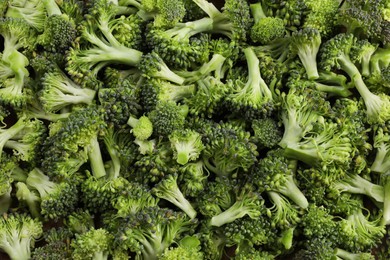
[(322, 16), (94, 244), (57, 246), (266, 132), (267, 29), (189, 248)]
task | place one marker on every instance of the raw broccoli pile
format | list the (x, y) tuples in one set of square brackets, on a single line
[(192, 129)]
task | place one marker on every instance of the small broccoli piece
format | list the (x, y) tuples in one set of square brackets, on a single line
[(361, 53), (57, 247), (345, 255), (29, 197), (142, 128), (359, 232), (336, 54), (266, 132), (154, 91), (59, 91), (79, 221), (247, 202), (382, 144), (322, 17), (85, 61), (33, 12), (316, 248), (94, 244), (306, 44), (276, 173), (283, 213), (169, 190), (134, 199), (252, 98), (18, 233), (152, 66), (356, 184), (151, 231), (188, 249), (167, 117), (186, 145), (265, 29), (10, 171), (57, 199), (193, 178)]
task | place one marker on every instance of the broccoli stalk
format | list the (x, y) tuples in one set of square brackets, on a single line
[(59, 91), (23, 193), (95, 159), (358, 185), (381, 162), (385, 179), (169, 190), (9, 133), (345, 255)]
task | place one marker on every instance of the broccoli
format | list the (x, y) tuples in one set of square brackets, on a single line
[(265, 29), (188, 249), (94, 244), (33, 12), (168, 189), (142, 128), (186, 144), (18, 233), (57, 247), (306, 44)]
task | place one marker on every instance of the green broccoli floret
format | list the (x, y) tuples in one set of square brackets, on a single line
[(33, 12), (167, 117), (306, 44), (193, 178), (188, 249), (359, 232), (381, 162), (247, 202), (322, 16), (142, 128), (85, 61), (150, 232), (79, 221), (169, 190), (283, 213), (276, 173), (152, 66), (336, 54), (57, 199), (18, 233), (136, 198), (57, 247), (94, 244), (252, 98), (265, 29), (361, 53), (10, 171), (266, 132), (186, 145), (153, 91)]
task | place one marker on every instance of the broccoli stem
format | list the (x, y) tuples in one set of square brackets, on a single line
[(52, 7), (334, 90), (5, 202), (358, 185), (345, 255), (95, 158), (40, 182), (7, 134), (307, 54), (166, 73), (17, 249), (257, 12), (291, 190), (183, 31), (208, 8), (381, 164), (114, 155), (386, 201)]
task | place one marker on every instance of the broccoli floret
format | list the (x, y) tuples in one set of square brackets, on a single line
[(276, 173), (283, 213), (29, 197), (169, 190), (59, 91), (18, 233), (57, 199), (94, 244), (306, 44), (322, 16), (79, 221), (193, 178), (167, 117), (33, 12), (142, 128), (265, 29), (188, 249), (247, 202), (186, 145), (57, 247), (361, 53), (151, 231), (252, 98), (266, 132), (85, 61), (153, 66), (336, 54)]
